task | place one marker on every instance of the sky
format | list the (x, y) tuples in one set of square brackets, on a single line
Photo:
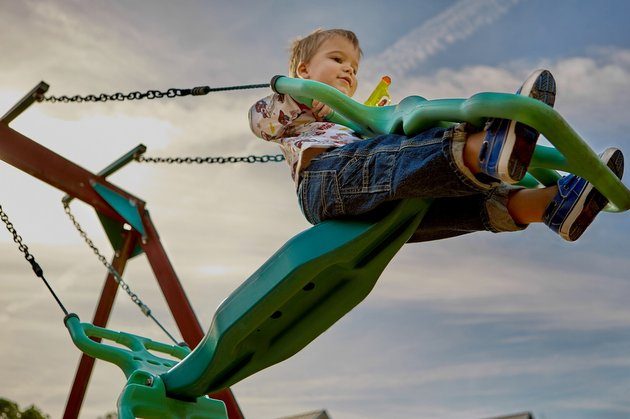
[(469, 327)]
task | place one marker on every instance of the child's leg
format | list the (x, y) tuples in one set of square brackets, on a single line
[(358, 177), (577, 202), (567, 208), (437, 163), (528, 206), (508, 146), (450, 217), (471, 151)]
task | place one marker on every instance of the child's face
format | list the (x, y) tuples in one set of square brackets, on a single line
[(335, 63)]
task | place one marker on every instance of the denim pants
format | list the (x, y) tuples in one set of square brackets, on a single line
[(357, 178)]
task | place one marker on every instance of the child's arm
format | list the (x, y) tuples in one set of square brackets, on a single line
[(270, 116)]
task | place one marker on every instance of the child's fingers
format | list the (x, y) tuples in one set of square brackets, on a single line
[(325, 111), (317, 107), (320, 110)]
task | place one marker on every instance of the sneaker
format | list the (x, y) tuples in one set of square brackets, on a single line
[(508, 146), (577, 202)]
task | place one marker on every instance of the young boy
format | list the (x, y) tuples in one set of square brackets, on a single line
[(469, 174)]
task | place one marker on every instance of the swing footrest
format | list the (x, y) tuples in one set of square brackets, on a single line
[(145, 396)]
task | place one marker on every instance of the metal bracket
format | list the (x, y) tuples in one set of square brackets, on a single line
[(34, 95), (115, 166), (125, 207)]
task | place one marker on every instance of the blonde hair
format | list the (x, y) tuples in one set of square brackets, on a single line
[(303, 49)]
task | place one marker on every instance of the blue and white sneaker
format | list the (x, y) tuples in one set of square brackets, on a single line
[(508, 146), (577, 202)]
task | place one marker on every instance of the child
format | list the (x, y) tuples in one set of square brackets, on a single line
[(469, 174)]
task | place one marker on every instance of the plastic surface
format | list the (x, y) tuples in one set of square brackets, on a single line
[(380, 95), (309, 284), (414, 114), (144, 394), (128, 210)]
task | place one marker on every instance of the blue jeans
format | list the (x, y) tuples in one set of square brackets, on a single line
[(360, 177)]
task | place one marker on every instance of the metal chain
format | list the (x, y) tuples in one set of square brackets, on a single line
[(29, 257), (149, 94), (16, 237), (210, 160), (134, 297)]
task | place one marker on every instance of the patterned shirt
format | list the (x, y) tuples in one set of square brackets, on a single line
[(281, 119)]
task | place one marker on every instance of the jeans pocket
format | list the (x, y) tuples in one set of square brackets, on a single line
[(320, 197), (367, 174), (378, 171), (352, 177)]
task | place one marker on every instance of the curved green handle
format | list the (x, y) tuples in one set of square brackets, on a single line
[(133, 357), (414, 114), (144, 395)]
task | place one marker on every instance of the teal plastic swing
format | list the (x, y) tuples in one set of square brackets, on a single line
[(322, 273)]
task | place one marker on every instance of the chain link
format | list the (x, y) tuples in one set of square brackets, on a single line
[(211, 160), (18, 239), (134, 297), (40, 273), (149, 94), (121, 282)]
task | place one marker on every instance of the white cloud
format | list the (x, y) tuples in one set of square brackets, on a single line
[(456, 23)]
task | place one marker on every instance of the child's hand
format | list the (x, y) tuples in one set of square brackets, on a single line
[(320, 110)]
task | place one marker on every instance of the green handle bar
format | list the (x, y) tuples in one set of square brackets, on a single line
[(144, 394), (133, 356), (414, 114)]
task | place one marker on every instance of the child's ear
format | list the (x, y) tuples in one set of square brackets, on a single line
[(302, 70)]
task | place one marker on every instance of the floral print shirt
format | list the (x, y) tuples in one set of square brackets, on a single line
[(281, 119)]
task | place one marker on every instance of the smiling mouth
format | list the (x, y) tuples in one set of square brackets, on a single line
[(346, 80)]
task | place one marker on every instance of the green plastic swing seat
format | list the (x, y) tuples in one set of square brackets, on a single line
[(303, 289), (322, 273)]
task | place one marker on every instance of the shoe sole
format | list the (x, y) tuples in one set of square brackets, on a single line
[(591, 201), (541, 86)]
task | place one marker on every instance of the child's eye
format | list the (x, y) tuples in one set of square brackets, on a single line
[(337, 59)]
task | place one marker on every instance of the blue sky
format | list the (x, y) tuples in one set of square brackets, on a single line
[(470, 327)]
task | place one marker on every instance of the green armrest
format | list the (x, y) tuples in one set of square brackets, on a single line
[(414, 114), (144, 394)]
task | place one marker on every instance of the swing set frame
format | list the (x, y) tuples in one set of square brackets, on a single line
[(115, 207), (307, 285)]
